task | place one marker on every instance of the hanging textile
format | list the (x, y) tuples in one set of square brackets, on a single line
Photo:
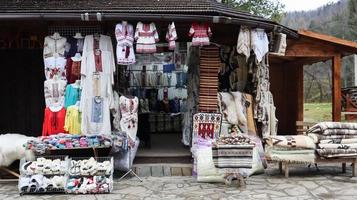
[(264, 109), (209, 65), (53, 122), (129, 113), (200, 34), (146, 37), (55, 66), (73, 120), (54, 90), (206, 126), (97, 70), (171, 36), (124, 34), (54, 46), (191, 105)]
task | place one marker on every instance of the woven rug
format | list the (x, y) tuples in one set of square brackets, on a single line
[(233, 156), (209, 65), (206, 125)]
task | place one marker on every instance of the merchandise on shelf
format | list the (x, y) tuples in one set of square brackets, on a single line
[(44, 166), (91, 167), (89, 185), (41, 184), (67, 141)]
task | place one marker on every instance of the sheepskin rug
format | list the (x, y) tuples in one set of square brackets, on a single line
[(12, 148)]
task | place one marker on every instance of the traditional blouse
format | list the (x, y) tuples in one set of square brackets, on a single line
[(96, 101), (146, 37), (73, 70), (55, 66), (129, 112), (73, 120), (200, 34), (171, 36), (54, 92), (72, 95), (73, 46), (97, 56), (124, 34), (53, 122), (54, 46)]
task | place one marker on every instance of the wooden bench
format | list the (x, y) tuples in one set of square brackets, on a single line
[(323, 160), (301, 128)]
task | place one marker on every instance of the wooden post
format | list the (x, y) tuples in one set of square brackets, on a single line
[(300, 93), (336, 88), (286, 164)]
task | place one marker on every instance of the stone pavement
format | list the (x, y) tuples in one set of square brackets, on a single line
[(304, 183)]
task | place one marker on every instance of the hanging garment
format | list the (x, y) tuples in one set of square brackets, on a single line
[(73, 70), (54, 46), (53, 122), (260, 43), (264, 109), (129, 112), (192, 103), (124, 34), (73, 46), (54, 92), (98, 61), (55, 66), (98, 56), (72, 95), (116, 111), (73, 120), (95, 116), (96, 101), (146, 37), (171, 36), (243, 43), (200, 34), (280, 44)]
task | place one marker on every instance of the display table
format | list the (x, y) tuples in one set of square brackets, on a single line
[(284, 166)]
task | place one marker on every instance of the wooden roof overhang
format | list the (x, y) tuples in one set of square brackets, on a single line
[(310, 48)]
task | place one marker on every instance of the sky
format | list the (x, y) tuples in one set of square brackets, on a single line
[(299, 5)]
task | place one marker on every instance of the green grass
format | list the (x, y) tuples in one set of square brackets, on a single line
[(317, 112)]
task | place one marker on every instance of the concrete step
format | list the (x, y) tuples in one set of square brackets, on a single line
[(162, 169), (159, 159)]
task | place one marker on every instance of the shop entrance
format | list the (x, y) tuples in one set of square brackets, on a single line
[(21, 84), (160, 82)]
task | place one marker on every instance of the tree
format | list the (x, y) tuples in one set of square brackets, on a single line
[(352, 19), (272, 9)]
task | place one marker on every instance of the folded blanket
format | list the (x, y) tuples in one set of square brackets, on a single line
[(331, 153), (294, 156), (339, 141), (332, 128), (296, 141), (317, 137), (233, 156), (338, 146)]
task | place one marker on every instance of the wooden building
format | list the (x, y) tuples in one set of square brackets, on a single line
[(25, 23)]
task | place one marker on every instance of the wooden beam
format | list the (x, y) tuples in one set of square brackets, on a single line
[(328, 38), (336, 88), (300, 92)]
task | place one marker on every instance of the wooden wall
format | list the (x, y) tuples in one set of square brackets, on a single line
[(287, 88)]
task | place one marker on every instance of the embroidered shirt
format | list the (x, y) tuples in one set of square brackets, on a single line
[(53, 122)]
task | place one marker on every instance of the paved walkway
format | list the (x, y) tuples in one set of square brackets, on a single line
[(304, 183)]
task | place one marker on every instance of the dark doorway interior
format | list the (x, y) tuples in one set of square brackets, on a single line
[(22, 98)]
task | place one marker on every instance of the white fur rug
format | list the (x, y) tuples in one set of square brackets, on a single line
[(12, 148)]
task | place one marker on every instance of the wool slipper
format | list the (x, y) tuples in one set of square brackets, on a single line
[(24, 184)]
